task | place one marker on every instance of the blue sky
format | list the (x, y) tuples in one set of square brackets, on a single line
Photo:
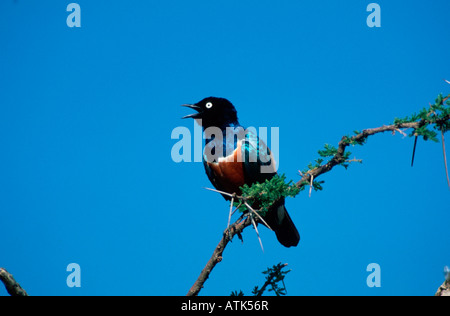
[(86, 115)]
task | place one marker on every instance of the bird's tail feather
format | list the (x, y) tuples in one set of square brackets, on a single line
[(280, 221)]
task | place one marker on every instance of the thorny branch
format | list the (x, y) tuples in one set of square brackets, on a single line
[(235, 229), (345, 142), (339, 158)]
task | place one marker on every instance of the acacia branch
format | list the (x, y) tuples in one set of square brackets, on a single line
[(340, 157), (13, 288), (235, 229)]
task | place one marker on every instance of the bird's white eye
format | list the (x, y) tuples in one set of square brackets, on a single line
[(209, 105)]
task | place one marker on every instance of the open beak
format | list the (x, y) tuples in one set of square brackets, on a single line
[(194, 115)]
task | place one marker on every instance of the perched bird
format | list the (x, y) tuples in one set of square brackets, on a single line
[(235, 156)]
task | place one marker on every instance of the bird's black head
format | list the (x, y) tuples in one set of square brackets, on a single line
[(218, 112)]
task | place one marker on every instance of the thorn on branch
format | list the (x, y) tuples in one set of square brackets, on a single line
[(242, 200), (400, 131), (257, 232), (414, 151)]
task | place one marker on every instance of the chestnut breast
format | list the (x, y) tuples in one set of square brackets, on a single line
[(229, 171)]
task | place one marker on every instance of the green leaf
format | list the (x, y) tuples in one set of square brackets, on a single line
[(266, 193), (329, 151)]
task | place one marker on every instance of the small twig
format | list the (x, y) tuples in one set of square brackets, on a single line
[(237, 207), (311, 185), (284, 285), (354, 160), (270, 279), (13, 288)]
